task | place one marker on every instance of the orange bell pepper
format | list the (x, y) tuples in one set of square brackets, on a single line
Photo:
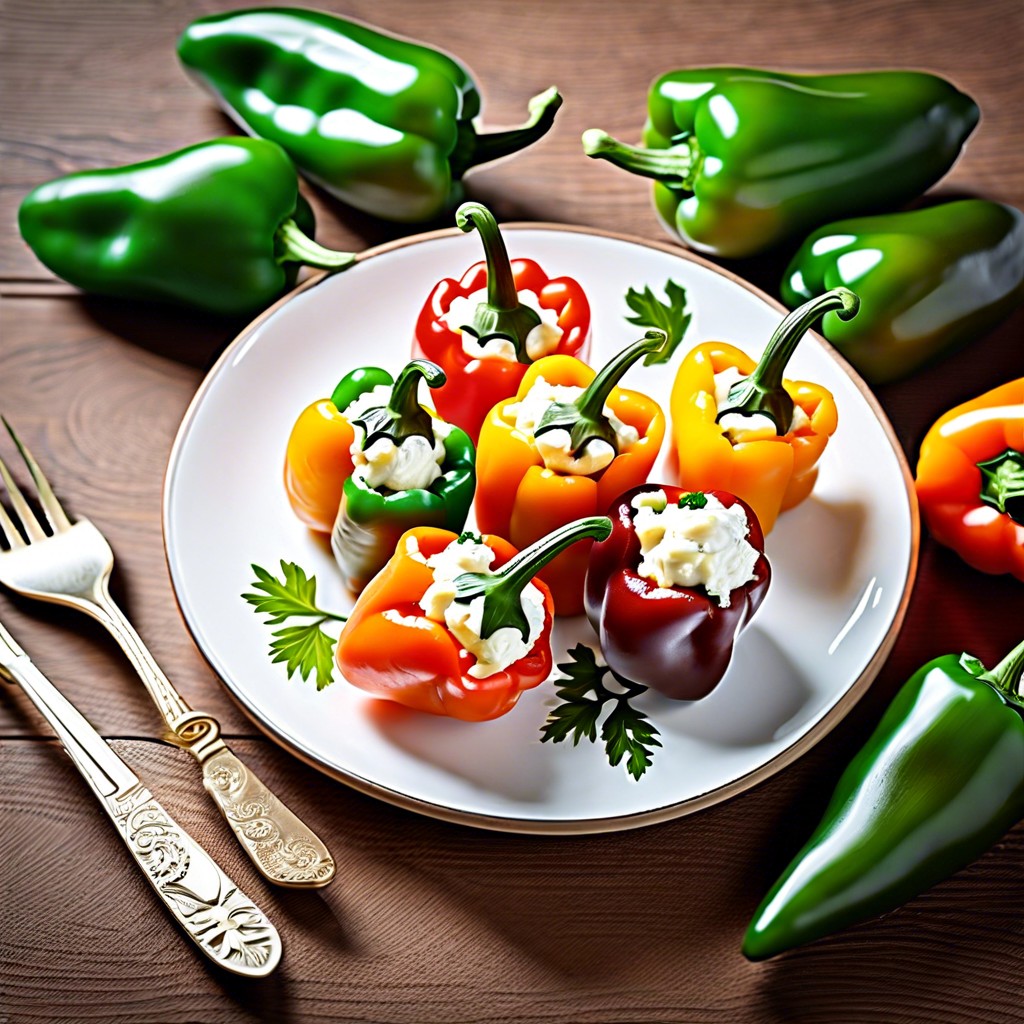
[(770, 468), (390, 648), (520, 498), (970, 480)]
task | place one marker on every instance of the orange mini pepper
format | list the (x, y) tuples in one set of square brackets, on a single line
[(520, 498), (390, 648), (773, 465), (970, 480)]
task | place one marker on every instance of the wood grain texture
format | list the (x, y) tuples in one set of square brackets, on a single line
[(429, 922)]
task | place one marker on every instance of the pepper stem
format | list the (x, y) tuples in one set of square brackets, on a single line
[(502, 315), (677, 166), (1008, 676), (403, 416), (481, 149), (293, 245), (1002, 484), (762, 392), (502, 591), (584, 418)]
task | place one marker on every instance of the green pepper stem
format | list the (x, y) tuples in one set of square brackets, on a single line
[(404, 404), (502, 591), (501, 285), (1008, 676), (481, 149), (762, 391), (1002, 484), (293, 245), (592, 402), (677, 166)]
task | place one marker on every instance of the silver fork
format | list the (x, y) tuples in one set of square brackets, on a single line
[(72, 567)]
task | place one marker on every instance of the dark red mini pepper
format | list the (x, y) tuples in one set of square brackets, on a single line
[(475, 385), (676, 640)]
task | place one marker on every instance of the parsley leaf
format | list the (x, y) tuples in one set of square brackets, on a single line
[(694, 499), (671, 317), (304, 648), (626, 732)]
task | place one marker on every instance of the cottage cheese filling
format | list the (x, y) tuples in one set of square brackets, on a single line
[(541, 341)]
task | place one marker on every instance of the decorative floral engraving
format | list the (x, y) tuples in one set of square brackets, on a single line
[(158, 843)]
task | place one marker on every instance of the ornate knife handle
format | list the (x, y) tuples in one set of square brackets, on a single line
[(283, 848)]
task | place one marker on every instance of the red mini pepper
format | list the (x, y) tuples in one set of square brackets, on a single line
[(474, 385), (390, 648), (676, 640)]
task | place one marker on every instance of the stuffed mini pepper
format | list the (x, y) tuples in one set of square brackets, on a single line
[(672, 586), (488, 327), (457, 625), (565, 446), (371, 462), (740, 427)]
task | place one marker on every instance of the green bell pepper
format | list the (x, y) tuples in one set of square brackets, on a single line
[(219, 226), (939, 781), (372, 518), (743, 159), (383, 123), (929, 280)]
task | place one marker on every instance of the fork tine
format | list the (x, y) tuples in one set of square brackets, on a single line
[(21, 506), (51, 506), (9, 530)]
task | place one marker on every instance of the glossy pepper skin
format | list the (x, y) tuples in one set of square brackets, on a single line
[(940, 780), (383, 123), (219, 226), (520, 498), (929, 281), (970, 480), (475, 385), (678, 640), (770, 470), (744, 158), (366, 522), (390, 649)]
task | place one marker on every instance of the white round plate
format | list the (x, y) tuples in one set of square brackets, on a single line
[(843, 562)]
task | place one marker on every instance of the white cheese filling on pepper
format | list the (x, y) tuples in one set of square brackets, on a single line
[(735, 424), (555, 446), (413, 464), (541, 341), (688, 547), (504, 646)]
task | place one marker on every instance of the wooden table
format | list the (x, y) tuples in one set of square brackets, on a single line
[(430, 922)]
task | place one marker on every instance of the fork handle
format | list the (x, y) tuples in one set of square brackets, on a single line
[(283, 848)]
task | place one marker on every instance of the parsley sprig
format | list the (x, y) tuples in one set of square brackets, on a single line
[(626, 732), (305, 648), (670, 316)]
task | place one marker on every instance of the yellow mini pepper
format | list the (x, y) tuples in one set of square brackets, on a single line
[(520, 498), (772, 464)]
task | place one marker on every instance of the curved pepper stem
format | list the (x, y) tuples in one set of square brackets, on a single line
[(762, 392), (403, 416), (293, 245), (1008, 676), (677, 166), (502, 591), (584, 418), (473, 149), (1002, 484), (502, 315)]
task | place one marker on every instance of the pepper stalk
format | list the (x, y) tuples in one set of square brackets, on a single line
[(403, 416), (1007, 677), (584, 417), (762, 392), (293, 245), (677, 167), (502, 315), (502, 590)]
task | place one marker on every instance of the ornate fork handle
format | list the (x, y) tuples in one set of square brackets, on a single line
[(283, 848), (215, 914)]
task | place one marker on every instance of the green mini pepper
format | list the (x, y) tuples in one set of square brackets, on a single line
[(929, 281), (383, 123), (220, 226), (743, 159), (372, 518), (939, 781)]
